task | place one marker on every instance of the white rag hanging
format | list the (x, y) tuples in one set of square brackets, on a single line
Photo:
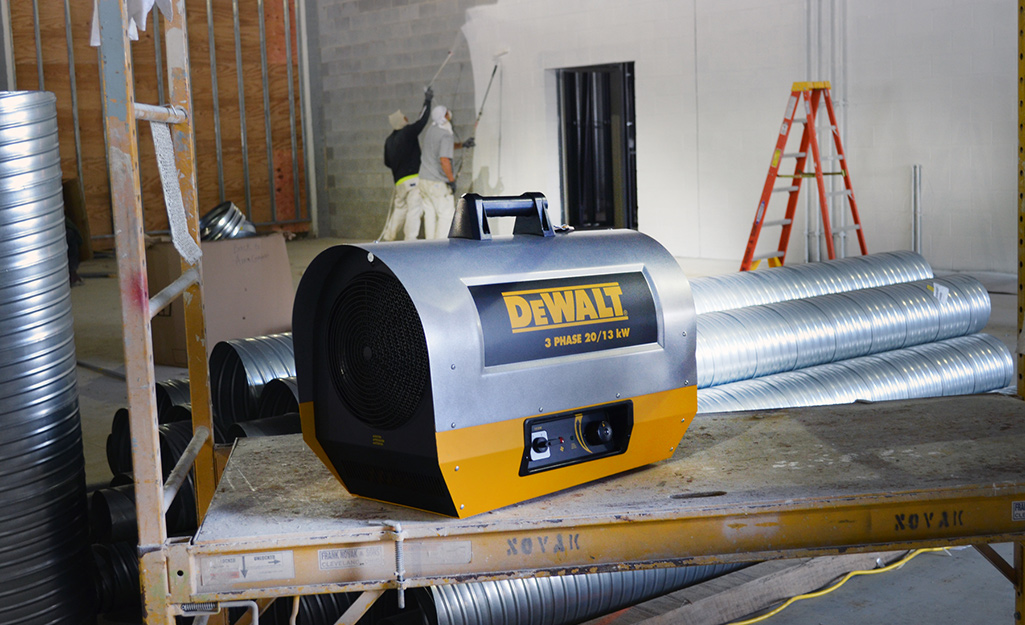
[(138, 13), (169, 179)]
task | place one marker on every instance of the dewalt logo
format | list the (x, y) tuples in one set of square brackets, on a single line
[(565, 307)]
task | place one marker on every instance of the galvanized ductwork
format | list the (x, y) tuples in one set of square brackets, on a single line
[(288, 423), (756, 341), (755, 288), (240, 368), (225, 221), (957, 366), (561, 600), (171, 393), (43, 525), (279, 396)]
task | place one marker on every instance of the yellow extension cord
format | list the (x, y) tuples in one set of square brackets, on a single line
[(826, 591)]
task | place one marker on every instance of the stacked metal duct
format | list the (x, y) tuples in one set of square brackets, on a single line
[(754, 288), (561, 599), (279, 396), (225, 221), (958, 366), (891, 339), (756, 341), (240, 368), (43, 528)]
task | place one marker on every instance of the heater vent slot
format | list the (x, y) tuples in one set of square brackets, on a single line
[(378, 351)]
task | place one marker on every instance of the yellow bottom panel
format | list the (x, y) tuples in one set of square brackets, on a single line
[(481, 464)]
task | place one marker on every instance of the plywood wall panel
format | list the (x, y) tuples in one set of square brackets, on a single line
[(95, 180)]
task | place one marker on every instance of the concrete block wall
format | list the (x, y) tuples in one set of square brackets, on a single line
[(377, 56), (922, 82)]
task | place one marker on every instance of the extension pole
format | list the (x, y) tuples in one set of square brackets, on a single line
[(451, 51)]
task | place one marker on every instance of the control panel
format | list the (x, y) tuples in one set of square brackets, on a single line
[(560, 440)]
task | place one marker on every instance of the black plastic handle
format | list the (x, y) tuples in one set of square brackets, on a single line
[(529, 209)]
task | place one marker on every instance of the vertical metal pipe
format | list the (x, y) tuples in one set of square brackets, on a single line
[(916, 208), (305, 100), (266, 112), (74, 94), (39, 45), (836, 183), (10, 82), (159, 56), (242, 108), (291, 110), (216, 100)]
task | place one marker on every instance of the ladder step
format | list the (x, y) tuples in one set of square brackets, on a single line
[(778, 222), (810, 174), (786, 189), (835, 193), (162, 114), (776, 254), (173, 290), (183, 466), (847, 228), (795, 154)]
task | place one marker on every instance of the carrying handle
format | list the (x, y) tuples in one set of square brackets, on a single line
[(529, 209)]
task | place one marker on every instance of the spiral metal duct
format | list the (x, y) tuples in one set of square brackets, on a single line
[(562, 599), (279, 396), (112, 515), (43, 527), (240, 368), (174, 392), (963, 365), (266, 426), (762, 340), (225, 221), (755, 288), (117, 579)]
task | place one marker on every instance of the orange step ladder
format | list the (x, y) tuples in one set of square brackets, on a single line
[(811, 94)]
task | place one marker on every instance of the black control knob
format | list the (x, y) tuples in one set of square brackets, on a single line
[(598, 432), (539, 445)]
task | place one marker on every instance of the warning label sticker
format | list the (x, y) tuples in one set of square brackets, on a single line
[(251, 567), (1018, 510), (330, 559)]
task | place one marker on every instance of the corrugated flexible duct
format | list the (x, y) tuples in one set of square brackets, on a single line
[(766, 286), (240, 368), (957, 366), (756, 341), (562, 599), (43, 524)]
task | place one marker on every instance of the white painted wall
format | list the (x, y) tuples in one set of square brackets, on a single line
[(926, 82), (935, 83)]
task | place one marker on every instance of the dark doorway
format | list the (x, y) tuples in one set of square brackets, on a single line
[(599, 157)]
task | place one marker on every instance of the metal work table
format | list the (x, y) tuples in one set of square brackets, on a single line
[(741, 486)]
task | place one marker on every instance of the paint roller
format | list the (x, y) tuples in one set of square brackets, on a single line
[(488, 90)]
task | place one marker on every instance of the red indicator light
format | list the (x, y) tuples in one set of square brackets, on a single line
[(561, 441)]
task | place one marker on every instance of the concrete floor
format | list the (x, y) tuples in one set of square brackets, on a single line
[(960, 588)]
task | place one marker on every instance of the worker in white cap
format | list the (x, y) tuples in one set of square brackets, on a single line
[(402, 155), (437, 178)]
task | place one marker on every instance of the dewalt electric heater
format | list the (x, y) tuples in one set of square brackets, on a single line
[(474, 372)]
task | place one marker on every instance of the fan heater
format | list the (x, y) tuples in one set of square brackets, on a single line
[(466, 374)]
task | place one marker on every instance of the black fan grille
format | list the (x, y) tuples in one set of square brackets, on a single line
[(378, 351)]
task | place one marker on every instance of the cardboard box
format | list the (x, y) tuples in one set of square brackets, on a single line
[(247, 291)]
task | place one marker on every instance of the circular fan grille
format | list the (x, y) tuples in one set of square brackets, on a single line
[(378, 351)]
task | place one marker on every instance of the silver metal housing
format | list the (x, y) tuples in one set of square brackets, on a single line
[(437, 275)]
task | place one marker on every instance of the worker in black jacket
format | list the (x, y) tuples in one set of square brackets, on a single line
[(402, 155)]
